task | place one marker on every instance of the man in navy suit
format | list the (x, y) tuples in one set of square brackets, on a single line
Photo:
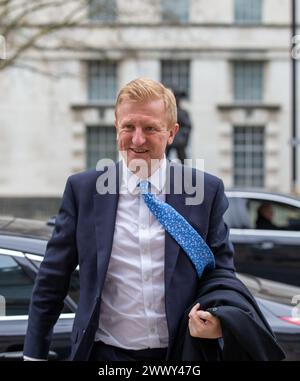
[(135, 279)]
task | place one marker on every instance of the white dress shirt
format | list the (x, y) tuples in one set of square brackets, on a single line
[(132, 313)]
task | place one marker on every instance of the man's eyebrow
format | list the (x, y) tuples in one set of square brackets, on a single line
[(146, 123), (126, 121)]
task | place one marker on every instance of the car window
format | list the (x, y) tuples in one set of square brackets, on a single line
[(237, 214), (15, 286), (250, 213), (273, 215)]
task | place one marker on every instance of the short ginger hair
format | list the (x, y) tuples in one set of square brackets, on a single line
[(145, 90)]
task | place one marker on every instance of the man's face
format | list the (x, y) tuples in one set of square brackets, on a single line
[(143, 130)]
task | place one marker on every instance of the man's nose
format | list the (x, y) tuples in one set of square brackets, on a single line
[(138, 137)]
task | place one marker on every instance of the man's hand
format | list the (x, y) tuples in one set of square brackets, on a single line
[(203, 324)]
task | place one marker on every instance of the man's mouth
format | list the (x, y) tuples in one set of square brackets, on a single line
[(138, 150)]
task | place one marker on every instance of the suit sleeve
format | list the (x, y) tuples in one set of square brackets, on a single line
[(218, 234), (53, 279)]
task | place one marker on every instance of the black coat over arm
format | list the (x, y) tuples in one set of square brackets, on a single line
[(246, 334)]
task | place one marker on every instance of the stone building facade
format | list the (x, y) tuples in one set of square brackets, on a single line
[(231, 57)]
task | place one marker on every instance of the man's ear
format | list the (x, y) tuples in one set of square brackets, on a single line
[(116, 127), (173, 131)]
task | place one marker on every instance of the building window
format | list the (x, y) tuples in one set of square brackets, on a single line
[(249, 161), (102, 81), (102, 10), (100, 144), (175, 10), (248, 11), (248, 81), (175, 74)]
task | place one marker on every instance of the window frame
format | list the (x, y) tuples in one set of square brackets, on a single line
[(248, 148), (89, 128), (241, 96), (177, 86), (23, 259), (109, 15), (94, 71), (178, 18), (240, 7)]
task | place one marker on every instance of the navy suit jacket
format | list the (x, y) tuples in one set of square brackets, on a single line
[(83, 235)]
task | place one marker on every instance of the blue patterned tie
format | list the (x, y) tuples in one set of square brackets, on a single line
[(178, 227)]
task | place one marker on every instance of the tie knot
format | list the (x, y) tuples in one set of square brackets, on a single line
[(144, 186)]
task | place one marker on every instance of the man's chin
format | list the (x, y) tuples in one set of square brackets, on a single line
[(138, 162), (142, 166)]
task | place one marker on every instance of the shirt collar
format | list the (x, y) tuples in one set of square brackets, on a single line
[(157, 179)]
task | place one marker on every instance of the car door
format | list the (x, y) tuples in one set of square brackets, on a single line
[(268, 251), (16, 283), (15, 289)]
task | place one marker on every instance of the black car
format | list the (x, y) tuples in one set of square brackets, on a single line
[(22, 246), (265, 248)]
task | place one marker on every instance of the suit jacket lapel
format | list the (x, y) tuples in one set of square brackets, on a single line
[(105, 210), (177, 201)]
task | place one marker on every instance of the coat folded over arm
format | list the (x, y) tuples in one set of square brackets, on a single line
[(246, 334)]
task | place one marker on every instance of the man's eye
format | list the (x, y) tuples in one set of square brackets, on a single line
[(128, 127), (150, 129)]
